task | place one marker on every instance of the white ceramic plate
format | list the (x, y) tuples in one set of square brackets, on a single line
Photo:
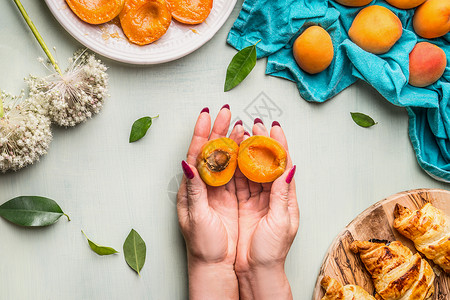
[(109, 40)]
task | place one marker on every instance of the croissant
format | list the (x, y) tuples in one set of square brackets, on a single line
[(335, 291), (395, 271), (429, 229)]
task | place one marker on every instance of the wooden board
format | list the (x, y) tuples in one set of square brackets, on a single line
[(376, 223)]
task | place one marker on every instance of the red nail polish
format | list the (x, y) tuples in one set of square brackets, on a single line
[(239, 122), (187, 170), (246, 133), (226, 106), (258, 120), (206, 110), (291, 175), (275, 123)]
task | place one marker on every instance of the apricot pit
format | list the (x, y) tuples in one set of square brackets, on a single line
[(262, 159), (217, 161)]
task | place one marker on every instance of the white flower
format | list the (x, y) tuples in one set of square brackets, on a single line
[(77, 94), (24, 132)]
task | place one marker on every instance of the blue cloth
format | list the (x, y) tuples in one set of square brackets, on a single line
[(277, 23)]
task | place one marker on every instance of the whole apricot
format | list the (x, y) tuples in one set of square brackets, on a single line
[(405, 4), (313, 50), (375, 29), (432, 19), (261, 159), (353, 3), (427, 63), (217, 161), (96, 11)]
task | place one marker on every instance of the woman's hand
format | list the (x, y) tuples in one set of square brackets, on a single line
[(208, 217), (268, 223)]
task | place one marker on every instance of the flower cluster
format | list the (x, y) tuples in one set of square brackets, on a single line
[(24, 132), (76, 95)]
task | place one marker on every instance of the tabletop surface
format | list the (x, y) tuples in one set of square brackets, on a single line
[(109, 186)]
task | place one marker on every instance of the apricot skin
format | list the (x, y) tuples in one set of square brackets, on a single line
[(96, 11), (313, 50), (427, 63), (262, 159), (375, 29), (432, 19), (219, 176), (405, 4), (353, 3)]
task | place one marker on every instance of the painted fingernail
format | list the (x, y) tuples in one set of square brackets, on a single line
[(239, 122), (246, 133), (258, 120), (206, 110), (187, 170), (275, 123), (225, 106), (291, 175)]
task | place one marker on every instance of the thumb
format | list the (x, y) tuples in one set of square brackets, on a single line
[(196, 188), (279, 193)]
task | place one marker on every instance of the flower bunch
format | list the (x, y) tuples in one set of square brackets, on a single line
[(24, 132), (75, 95)]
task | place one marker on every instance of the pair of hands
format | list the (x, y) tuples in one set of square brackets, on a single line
[(237, 235)]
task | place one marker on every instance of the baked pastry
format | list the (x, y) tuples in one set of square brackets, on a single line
[(395, 271), (335, 291), (429, 229)]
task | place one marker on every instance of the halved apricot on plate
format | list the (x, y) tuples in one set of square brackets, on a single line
[(217, 161), (190, 11), (262, 159), (145, 21), (96, 11)]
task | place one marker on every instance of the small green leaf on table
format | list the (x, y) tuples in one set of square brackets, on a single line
[(31, 211), (240, 66), (362, 119), (134, 250), (100, 250), (140, 128)]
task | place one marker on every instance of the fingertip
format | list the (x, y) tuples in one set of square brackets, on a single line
[(291, 174), (187, 170), (205, 110)]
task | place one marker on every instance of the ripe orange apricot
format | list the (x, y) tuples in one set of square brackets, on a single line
[(190, 11), (313, 50), (405, 4), (353, 3), (217, 161), (432, 19), (375, 29), (261, 159), (427, 63), (96, 11), (145, 21)]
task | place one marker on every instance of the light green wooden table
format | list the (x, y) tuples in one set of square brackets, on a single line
[(109, 186)]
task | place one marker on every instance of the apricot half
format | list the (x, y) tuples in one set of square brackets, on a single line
[(262, 159), (375, 29), (313, 50), (217, 161), (190, 11), (96, 11), (145, 21), (353, 3)]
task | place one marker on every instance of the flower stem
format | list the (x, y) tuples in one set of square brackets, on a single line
[(38, 36), (2, 112)]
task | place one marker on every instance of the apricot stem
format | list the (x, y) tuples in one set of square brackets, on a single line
[(37, 36)]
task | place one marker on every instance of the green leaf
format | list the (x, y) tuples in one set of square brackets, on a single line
[(240, 66), (31, 211), (362, 119), (134, 251), (140, 127), (100, 250)]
